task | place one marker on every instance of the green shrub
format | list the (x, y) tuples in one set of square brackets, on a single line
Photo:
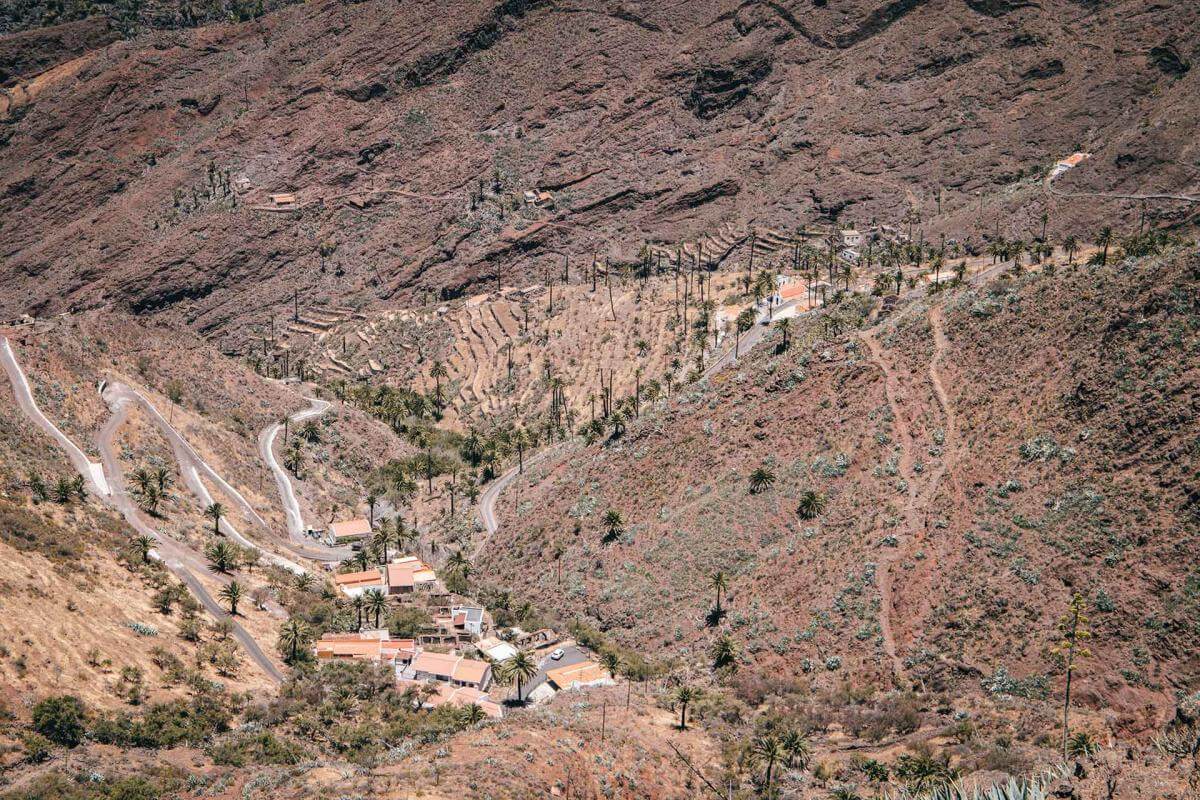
[(60, 719)]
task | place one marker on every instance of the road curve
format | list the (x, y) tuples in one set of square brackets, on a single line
[(487, 500), (180, 560), (191, 465), (301, 543), (93, 473)]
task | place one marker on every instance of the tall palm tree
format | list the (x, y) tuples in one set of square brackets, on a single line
[(614, 525), (215, 512), (437, 372), (768, 751), (372, 501), (1104, 239), (459, 564), (380, 542), (720, 583), (293, 635), (359, 604), (376, 603), (521, 441), (685, 695), (519, 667), (231, 594), (1070, 244), (785, 327), (761, 480)]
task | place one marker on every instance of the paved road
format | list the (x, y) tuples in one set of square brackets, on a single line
[(191, 466), (108, 485), (487, 501), (301, 543), (572, 654), (93, 473)]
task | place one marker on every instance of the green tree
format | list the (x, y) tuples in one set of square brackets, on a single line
[(472, 714), (785, 327), (359, 604), (761, 479), (684, 696), (614, 525), (215, 512), (1104, 239), (60, 719), (812, 503), (142, 545), (377, 603), (611, 663), (724, 653), (520, 668), (232, 594), (221, 556), (294, 637), (720, 583), (789, 750)]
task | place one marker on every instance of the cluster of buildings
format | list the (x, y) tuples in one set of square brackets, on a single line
[(453, 659)]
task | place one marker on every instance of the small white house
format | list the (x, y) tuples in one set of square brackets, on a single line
[(851, 238)]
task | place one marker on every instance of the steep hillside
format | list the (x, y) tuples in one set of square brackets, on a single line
[(138, 176), (982, 454)]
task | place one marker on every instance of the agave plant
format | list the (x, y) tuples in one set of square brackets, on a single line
[(1033, 787)]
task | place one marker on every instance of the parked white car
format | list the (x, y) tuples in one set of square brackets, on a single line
[(557, 654)]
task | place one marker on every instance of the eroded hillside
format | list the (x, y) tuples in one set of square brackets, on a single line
[(980, 456), (140, 173)]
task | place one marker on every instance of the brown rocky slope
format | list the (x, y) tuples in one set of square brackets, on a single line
[(983, 456), (133, 178)]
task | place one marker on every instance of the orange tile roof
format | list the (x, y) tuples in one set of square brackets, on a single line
[(792, 290), (450, 666), (352, 580), (584, 672), (351, 527)]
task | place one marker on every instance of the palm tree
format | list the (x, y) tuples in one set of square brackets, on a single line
[(142, 545), (789, 750), (720, 583), (683, 696), (812, 503), (458, 564), (611, 662), (724, 653), (372, 501), (761, 480), (143, 479), (614, 525), (519, 667), (1070, 244), (743, 323), (221, 556), (215, 512), (380, 542), (232, 594), (376, 603), (473, 714), (293, 635), (785, 327), (1104, 239), (437, 372), (359, 604), (521, 441), (162, 477)]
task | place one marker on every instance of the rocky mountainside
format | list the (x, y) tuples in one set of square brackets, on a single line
[(137, 174), (979, 458)]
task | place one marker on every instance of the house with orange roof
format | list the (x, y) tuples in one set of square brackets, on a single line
[(585, 673), (352, 584), (451, 669), (347, 532), (438, 694), (376, 646), (407, 574)]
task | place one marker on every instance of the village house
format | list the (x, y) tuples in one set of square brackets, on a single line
[(376, 646), (439, 694), (450, 668), (348, 532), (496, 649), (405, 575), (468, 618), (352, 584), (283, 200), (852, 239), (575, 676)]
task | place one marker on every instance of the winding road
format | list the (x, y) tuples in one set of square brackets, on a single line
[(300, 542), (106, 481)]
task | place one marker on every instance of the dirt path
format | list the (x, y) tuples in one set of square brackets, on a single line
[(884, 572)]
